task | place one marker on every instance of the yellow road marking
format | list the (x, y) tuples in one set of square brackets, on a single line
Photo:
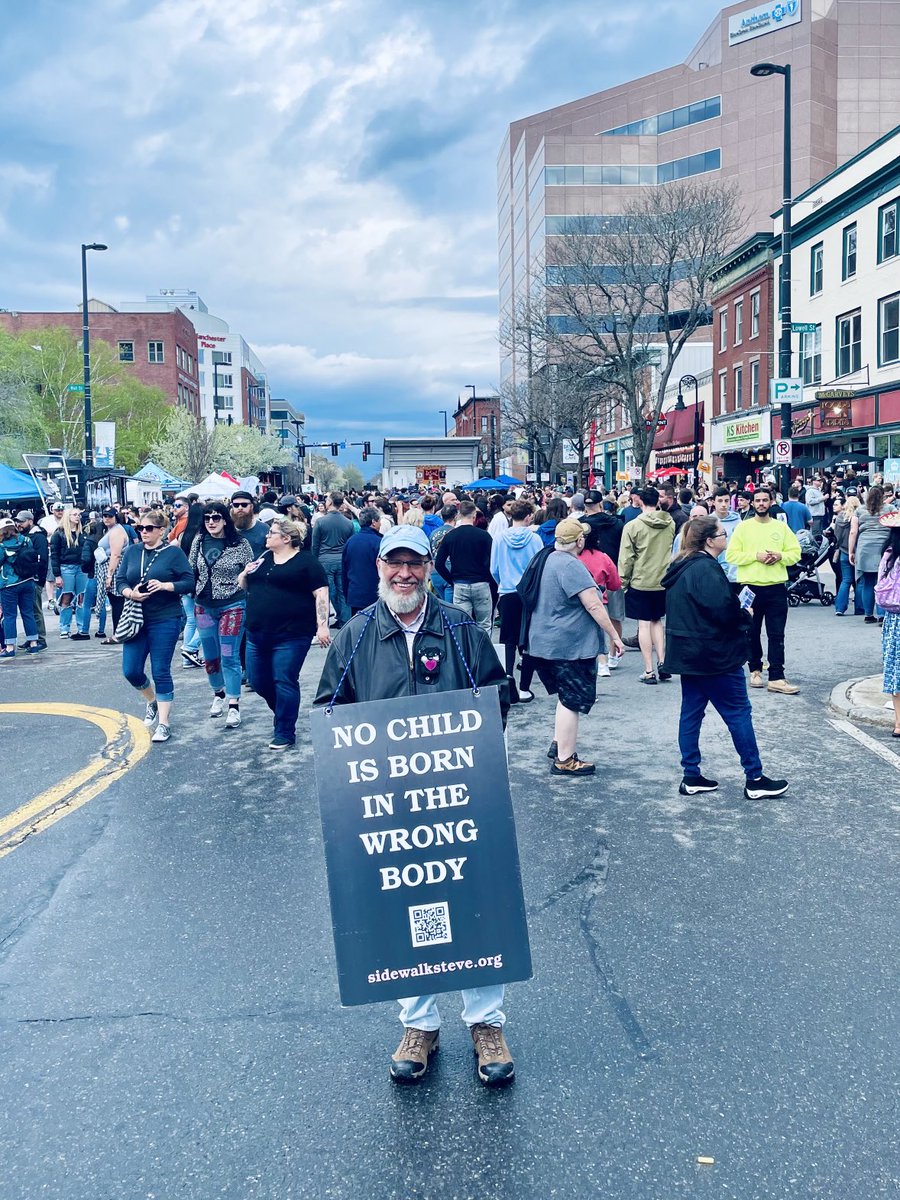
[(127, 741)]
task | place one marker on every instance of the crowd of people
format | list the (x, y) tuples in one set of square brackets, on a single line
[(406, 593)]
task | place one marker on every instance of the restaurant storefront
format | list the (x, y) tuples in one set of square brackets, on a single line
[(844, 426), (742, 445)]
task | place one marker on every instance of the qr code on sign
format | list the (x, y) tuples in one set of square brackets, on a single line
[(430, 924)]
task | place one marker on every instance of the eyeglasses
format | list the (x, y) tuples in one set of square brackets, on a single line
[(394, 564), (147, 528), (277, 533), (214, 517)]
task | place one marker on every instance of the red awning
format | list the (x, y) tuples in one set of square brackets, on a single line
[(679, 430)]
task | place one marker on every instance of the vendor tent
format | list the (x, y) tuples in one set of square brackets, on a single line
[(151, 472), (16, 485), (509, 481), (213, 487), (487, 485)]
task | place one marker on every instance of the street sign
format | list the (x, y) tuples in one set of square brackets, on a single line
[(661, 423), (75, 387), (786, 391), (702, 466), (784, 452), (622, 476), (803, 326)]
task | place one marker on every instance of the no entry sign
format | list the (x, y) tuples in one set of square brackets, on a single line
[(420, 845)]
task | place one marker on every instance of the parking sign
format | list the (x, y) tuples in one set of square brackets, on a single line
[(784, 452), (786, 391)]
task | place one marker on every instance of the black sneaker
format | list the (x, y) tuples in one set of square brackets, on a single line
[(765, 788), (192, 658), (79, 637), (692, 784), (631, 643), (663, 676)]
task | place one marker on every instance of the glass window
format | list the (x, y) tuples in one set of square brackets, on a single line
[(723, 392), (848, 259), (738, 322), (849, 343), (887, 230), (574, 175), (554, 175), (126, 351), (754, 383), (593, 175), (723, 328), (630, 176), (811, 356), (665, 122), (738, 387), (155, 352), (889, 324), (754, 314), (816, 258)]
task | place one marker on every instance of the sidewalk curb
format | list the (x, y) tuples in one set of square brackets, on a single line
[(842, 701)]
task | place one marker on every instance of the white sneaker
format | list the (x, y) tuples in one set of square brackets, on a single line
[(614, 661), (234, 717), (603, 671), (162, 734), (217, 707), (151, 714)]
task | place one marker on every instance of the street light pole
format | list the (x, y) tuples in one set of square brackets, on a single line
[(761, 70), (443, 412), (86, 356), (691, 381)]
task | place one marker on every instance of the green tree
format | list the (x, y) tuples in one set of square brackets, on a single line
[(246, 450), (353, 477), (328, 475), (189, 449)]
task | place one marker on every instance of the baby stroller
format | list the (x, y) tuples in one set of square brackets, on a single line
[(804, 581)]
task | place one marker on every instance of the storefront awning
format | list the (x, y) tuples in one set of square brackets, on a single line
[(679, 430)]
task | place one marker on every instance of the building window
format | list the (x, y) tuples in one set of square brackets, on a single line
[(222, 357), (889, 327), (225, 380), (816, 258), (848, 256), (675, 118), (723, 328), (723, 393), (126, 351), (633, 175), (178, 356), (738, 388), (754, 383), (484, 424), (738, 322), (155, 353), (754, 314), (849, 343), (887, 230), (811, 356)]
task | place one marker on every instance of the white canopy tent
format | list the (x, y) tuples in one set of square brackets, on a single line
[(213, 487)]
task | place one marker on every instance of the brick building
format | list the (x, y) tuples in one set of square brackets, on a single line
[(479, 416), (159, 348)]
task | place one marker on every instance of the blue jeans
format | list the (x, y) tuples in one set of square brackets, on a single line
[(191, 634), (865, 586), (480, 1005), (221, 632), (333, 566), (84, 610), (157, 638), (74, 584), (443, 588), (273, 669), (728, 696), (18, 597), (842, 600)]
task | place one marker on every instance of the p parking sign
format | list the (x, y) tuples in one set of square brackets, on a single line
[(786, 391)]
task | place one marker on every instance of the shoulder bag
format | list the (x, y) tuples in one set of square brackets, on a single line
[(131, 622)]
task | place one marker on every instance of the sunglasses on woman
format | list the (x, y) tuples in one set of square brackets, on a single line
[(214, 517), (147, 528)]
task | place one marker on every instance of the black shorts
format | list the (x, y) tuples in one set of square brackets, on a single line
[(575, 680), (645, 606), (510, 618)]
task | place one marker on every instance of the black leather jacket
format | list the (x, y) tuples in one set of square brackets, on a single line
[(380, 668)]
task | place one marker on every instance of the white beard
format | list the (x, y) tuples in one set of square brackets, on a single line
[(401, 604)]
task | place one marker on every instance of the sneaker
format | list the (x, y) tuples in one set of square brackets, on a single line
[(162, 734), (7, 654), (234, 717), (647, 677), (495, 1064), (525, 697), (217, 707), (100, 635), (692, 784), (278, 743), (35, 647), (631, 643), (783, 687), (663, 676), (79, 637), (756, 679), (409, 1062), (614, 661), (151, 715), (870, 621), (191, 658), (764, 788), (603, 671), (63, 633), (572, 766)]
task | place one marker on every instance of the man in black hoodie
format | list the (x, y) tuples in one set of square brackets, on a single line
[(707, 644)]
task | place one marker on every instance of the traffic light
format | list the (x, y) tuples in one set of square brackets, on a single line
[(367, 450), (334, 449)]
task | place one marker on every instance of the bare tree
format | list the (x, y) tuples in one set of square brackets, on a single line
[(613, 305)]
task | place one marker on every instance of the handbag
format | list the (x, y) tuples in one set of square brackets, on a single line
[(131, 622), (887, 589)]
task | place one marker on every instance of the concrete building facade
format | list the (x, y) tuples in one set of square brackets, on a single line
[(574, 168)]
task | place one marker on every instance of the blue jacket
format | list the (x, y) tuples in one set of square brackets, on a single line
[(431, 522), (510, 555), (359, 569)]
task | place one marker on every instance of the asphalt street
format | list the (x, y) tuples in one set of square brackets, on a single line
[(713, 977)]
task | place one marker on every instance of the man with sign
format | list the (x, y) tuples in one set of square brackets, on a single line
[(454, 894)]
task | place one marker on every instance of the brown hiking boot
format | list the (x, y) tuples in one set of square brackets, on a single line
[(409, 1062), (495, 1064), (572, 766)]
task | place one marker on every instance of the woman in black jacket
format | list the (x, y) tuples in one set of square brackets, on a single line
[(707, 644), (66, 546)]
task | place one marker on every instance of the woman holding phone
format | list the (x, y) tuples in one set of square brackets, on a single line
[(155, 575)]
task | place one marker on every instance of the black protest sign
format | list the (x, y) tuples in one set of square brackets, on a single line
[(420, 845)]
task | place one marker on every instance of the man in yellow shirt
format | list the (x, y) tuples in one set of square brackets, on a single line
[(762, 549)]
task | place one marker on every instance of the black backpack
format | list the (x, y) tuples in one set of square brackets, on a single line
[(528, 587), (25, 561)]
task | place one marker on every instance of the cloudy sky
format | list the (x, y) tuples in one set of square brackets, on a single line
[(322, 174)]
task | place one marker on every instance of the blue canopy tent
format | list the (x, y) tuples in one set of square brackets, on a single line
[(16, 485), (487, 484), (509, 481)]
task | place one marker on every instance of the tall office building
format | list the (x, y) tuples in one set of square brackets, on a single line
[(569, 169)]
